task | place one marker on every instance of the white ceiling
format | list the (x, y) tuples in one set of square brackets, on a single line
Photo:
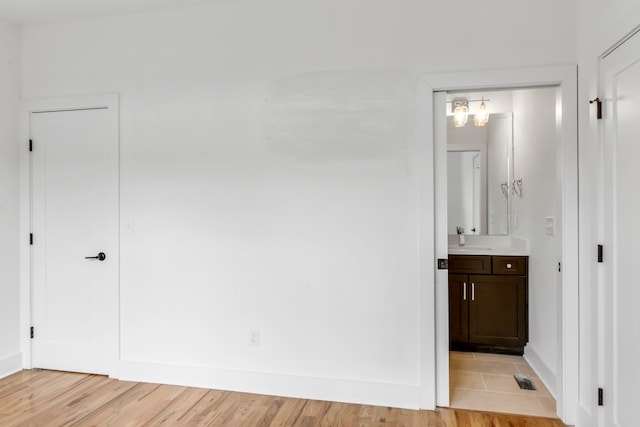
[(29, 11)]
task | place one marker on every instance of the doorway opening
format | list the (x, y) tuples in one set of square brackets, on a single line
[(503, 206), (562, 378)]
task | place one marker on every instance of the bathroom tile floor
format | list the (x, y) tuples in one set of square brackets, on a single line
[(481, 381)]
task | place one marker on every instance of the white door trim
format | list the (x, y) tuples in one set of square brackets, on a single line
[(111, 103), (564, 77)]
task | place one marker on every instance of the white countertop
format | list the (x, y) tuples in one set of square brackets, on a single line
[(489, 245), (480, 250)]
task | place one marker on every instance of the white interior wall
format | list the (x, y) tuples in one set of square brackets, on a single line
[(599, 27), (10, 359), (535, 162), (258, 193)]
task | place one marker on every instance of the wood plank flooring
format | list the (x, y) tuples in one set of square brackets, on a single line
[(51, 398)]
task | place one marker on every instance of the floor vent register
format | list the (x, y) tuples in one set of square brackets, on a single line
[(524, 382)]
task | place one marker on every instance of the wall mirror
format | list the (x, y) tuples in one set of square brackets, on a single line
[(479, 170)]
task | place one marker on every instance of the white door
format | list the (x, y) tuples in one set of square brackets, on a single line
[(75, 216), (619, 291)]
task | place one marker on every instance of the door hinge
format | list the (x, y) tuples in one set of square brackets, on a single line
[(32, 333), (31, 238), (600, 397), (600, 253), (559, 267), (598, 107), (30, 145)]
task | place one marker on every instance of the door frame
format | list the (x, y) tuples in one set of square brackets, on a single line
[(111, 104), (435, 367)]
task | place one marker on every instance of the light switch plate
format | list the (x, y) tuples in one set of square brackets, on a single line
[(550, 226)]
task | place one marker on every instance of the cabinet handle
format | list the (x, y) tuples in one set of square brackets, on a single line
[(473, 291), (509, 265), (464, 291)]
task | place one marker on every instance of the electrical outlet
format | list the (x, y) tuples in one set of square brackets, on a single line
[(254, 337)]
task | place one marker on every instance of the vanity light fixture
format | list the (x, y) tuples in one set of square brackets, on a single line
[(460, 108), (481, 118)]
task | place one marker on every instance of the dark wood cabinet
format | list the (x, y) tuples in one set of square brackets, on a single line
[(458, 308), (488, 302)]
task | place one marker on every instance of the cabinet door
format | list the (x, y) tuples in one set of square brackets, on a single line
[(458, 308), (497, 310)]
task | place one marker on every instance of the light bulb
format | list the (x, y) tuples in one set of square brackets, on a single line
[(460, 114), (481, 117)]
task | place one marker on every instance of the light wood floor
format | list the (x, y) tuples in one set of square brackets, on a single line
[(50, 398)]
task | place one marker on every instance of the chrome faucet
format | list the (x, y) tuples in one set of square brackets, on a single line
[(460, 231)]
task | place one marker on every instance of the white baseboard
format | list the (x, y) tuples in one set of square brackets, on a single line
[(541, 369), (10, 365), (302, 387)]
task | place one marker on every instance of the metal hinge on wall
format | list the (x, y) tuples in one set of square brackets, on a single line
[(31, 238), (600, 253), (32, 332), (30, 145), (600, 397)]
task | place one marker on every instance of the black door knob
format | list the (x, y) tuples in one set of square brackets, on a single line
[(100, 257)]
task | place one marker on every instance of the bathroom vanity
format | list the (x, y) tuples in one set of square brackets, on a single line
[(488, 308)]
